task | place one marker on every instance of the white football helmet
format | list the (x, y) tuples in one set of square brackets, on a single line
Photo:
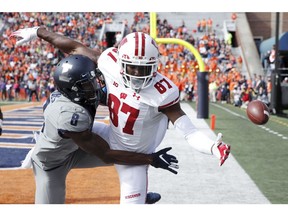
[(138, 57)]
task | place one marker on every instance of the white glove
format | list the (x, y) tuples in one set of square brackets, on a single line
[(220, 149), (27, 34)]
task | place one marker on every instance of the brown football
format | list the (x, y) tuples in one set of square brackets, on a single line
[(258, 112)]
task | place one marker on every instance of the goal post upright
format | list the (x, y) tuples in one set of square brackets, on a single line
[(202, 75)]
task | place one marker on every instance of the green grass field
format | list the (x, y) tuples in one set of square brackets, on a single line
[(262, 151)]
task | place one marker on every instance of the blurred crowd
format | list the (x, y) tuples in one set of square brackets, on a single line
[(26, 71), (227, 84)]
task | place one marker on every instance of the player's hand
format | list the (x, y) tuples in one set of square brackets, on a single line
[(25, 35), (220, 149), (165, 161)]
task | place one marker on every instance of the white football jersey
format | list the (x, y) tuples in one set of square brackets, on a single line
[(136, 123)]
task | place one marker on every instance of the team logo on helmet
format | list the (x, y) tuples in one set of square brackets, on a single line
[(92, 73), (125, 56)]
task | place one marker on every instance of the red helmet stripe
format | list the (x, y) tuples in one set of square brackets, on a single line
[(136, 43), (143, 45)]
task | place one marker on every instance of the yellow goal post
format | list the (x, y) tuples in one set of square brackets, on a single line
[(153, 34), (202, 101)]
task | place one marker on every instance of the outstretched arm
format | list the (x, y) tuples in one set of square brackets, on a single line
[(94, 144), (196, 138), (65, 44)]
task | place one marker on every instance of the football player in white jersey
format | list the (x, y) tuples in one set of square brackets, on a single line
[(140, 102), (66, 140)]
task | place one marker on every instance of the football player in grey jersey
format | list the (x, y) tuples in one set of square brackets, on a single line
[(66, 141)]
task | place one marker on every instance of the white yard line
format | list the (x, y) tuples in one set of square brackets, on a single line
[(200, 180), (261, 126)]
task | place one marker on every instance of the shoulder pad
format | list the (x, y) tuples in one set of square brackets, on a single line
[(76, 119)]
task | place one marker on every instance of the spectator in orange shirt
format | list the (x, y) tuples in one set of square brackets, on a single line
[(233, 17), (245, 96), (209, 25), (203, 25), (198, 24)]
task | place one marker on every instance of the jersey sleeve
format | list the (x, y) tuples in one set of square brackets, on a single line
[(74, 119), (171, 96)]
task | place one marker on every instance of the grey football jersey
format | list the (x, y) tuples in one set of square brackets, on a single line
[(51, 150)]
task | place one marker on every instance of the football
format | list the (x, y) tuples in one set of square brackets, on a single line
[(258, 112)]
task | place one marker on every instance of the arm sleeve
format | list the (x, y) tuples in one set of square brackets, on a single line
[(196, 138), (74, 120)]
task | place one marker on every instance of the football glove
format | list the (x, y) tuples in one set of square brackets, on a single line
[(220, 149), (165, 161), (26, 35)]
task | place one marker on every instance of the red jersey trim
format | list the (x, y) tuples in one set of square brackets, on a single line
[(169, 104)]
